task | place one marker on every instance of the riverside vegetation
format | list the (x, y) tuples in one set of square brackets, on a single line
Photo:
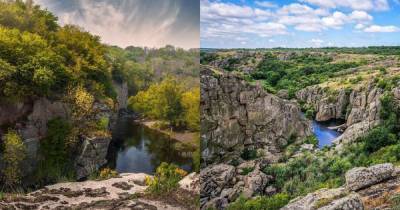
[(60, 86), (326, 84)]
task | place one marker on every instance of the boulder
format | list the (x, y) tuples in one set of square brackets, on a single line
[(350, 202), (327, 199), (361, 177), (213, 180), (255, 183), (92, 156), (191, 183)]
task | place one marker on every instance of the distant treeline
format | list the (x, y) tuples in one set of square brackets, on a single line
[(381, 50)]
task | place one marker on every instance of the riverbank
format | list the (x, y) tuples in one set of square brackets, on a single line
[(185, 137)]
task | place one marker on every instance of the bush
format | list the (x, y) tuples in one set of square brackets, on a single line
[(309, 114), (165, 179), (246, 171), (107, 173), (274, 202), (102, 124), (311, 140), (249, 154), (55, 151), (14, 154)]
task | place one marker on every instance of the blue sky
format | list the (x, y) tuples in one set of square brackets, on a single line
[(154, 23), (299, 23)]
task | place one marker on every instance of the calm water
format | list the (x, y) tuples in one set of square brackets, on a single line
[(136, 148), (325, 135)]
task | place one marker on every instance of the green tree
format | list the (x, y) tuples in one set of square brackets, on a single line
[(161, 101)]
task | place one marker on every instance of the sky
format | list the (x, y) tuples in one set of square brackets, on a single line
[(299, 23), (154, 23)]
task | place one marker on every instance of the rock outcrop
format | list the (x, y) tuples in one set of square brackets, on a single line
[(236, 115), (92, 156), (31, 124), (327, 199), (123, 192), (361, 177), (122, 94), (359, 108), (222, 184), (366, 188)]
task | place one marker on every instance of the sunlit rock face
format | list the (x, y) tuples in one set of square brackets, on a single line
[(236, 115)]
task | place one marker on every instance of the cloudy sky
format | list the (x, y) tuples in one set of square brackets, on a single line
[(299, 23), (152, 23)]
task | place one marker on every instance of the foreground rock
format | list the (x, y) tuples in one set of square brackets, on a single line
[(361, 177), (376, 187), (92, 155), (124, 192), (222, 184), (236, 115), (327, 199)]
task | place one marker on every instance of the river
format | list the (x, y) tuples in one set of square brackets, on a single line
[(136, 148), (325, 135)]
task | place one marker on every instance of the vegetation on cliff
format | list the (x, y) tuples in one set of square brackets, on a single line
[(326, 168), (66, 64)]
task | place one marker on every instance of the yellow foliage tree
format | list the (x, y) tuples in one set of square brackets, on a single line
[(14, 154), (191, 104)]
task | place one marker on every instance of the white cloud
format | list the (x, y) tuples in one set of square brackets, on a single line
[(221, 19), (301, 9), (381, 29), (266, 4), (337, 20), (359, 26), (378, 5), (361, 16)]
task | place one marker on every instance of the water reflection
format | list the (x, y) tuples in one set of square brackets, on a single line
[(136, 148)]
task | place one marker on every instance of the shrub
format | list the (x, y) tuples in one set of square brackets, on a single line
[(56, 162), (107, 173), (311, 140), (102, 124), (246, 171), (165, 179), (14, 154), (249, 154), (310, 113)]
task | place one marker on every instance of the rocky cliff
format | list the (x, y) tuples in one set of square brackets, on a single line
[(236, 115), (359, 108), (30, 120)]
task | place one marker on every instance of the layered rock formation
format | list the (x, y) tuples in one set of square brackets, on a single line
[(124, 192), (236, 115), (359, 108), (366, 188)]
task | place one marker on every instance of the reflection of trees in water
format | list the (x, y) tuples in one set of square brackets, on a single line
[(159, 147), (162, 149)]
